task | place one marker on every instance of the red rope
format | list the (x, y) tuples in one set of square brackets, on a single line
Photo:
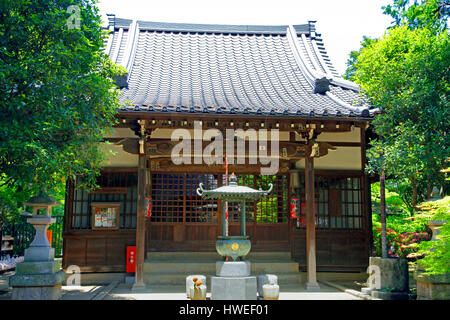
[(226, 203)]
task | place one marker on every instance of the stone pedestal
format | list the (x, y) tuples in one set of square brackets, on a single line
[(39, 276), (233, 281), (232, 269), (390, 278), (233, 288), (37, 280)]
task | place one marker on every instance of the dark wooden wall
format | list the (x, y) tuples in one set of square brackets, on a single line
[(105, 251), (97, 251), (94, 250), (336, 250)]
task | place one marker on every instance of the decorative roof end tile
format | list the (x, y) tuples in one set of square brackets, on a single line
[(321, 85)]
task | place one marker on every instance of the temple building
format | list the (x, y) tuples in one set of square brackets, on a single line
[(269, 89)]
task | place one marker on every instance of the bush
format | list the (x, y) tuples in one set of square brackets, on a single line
[(400, 245), (403, 232), (437, 253)]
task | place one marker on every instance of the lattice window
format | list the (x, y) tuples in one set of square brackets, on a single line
[(338, 202), (274, 207), (175, 194), (167, 197), (122, 189), (351, 204), (197, 209)]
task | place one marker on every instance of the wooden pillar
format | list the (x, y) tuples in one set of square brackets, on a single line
[(366, 198), (311, 283), (140, 218)]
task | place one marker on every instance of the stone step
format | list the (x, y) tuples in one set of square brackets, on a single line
[(269, 255), (275, 267), (180, 279), (209, 266), (172, 268)]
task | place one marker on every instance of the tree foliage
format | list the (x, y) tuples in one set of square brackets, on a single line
[(419, 13), (406, 75), (437, 253), (57, 92), (353, 57)]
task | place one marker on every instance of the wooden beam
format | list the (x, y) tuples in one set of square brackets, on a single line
[(166, 165), (167, 119), (311, 283)]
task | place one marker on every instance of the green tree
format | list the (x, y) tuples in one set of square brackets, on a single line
[(437, 253), (406, 75), (57, 92), (419, 13), (351, 69), (11, 200)]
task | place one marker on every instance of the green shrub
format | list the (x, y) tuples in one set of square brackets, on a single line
[(437, 253), (400, 245), (403, 231)]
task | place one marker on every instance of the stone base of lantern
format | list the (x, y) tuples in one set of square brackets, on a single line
[(45, 286), (37, 280), (37, 293), (233, 288)]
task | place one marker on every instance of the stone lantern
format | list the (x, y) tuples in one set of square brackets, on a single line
[(39, 276), (435, 225), (233, 280)]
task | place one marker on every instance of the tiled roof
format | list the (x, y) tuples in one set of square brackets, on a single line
[(261, 70)]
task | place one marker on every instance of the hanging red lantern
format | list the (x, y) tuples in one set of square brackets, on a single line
[(149, 206), (295, 209)]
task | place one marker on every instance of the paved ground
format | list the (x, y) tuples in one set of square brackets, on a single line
[(122, 291), (5, 292)]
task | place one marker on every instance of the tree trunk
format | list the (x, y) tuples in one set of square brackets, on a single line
[(429, 190), (384, 251), (414, 194)]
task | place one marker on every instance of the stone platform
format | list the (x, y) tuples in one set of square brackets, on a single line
[(233, 288), (37, 280), (233, 281), (233, 268)]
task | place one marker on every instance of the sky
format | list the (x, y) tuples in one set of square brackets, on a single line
[(342, 23)]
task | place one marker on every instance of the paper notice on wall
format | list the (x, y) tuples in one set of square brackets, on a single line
[(98, 218)]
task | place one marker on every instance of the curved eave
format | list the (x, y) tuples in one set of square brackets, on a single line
[(133, 113)]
